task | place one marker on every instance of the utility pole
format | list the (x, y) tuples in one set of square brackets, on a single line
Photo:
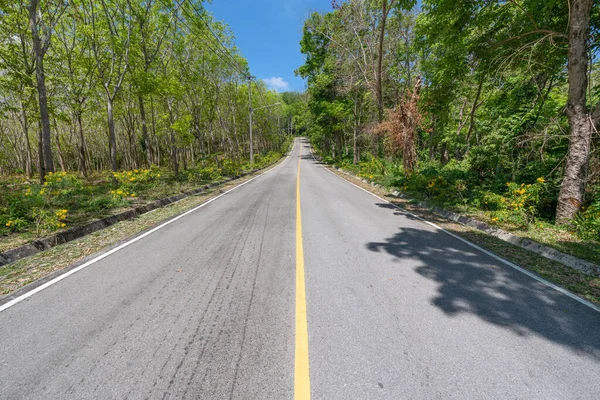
[(251, 112)]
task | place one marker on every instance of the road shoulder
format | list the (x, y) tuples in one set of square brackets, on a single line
[(580, 284)]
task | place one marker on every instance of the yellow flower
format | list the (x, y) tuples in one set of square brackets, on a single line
[(9, 223), (495, 219), (43, 191), (540, 180), (131, 179), (45, 183), (132, 194)]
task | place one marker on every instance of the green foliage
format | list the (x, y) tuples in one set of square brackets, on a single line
[(371, 168), (39, 207), (587, 223), (519, 205)]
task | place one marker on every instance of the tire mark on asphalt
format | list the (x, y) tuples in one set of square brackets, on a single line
[(262, 241)]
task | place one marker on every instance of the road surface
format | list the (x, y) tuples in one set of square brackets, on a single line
[(211, 307)]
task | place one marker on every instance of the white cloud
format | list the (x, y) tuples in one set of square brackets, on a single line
[(277, 83)]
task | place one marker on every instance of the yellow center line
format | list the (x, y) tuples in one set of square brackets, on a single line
[(301, 368)]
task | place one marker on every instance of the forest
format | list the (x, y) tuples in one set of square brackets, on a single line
[(106, 102), (488, 107)]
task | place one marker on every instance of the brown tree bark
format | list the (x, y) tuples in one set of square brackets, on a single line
[(572, 188), (385, 10), (61, 159), (25, 126), (174, 158), (112, 138), (39, 50), (474, 108), (147, 143), (82, 158)]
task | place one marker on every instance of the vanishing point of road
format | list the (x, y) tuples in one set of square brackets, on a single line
[(299, 284)]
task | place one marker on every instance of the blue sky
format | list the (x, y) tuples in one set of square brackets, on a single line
[(268, 33)]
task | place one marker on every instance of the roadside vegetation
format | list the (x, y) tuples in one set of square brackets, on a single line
[(491, 109), (15, 275), (66, 199), (109, 104)]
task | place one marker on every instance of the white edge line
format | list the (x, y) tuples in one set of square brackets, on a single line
[(484, 251), (108, 253)]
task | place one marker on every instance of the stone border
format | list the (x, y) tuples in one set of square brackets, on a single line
[(71, 234), (543, 250)]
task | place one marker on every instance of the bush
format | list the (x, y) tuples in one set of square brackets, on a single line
[(230, 168), (587, 223), (372, 168), (520, 203)]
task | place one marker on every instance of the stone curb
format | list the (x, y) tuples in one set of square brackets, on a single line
[(69, 235), (545, 251)]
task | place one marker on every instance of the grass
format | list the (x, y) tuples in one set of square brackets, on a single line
[(29, 211), (583, 285)]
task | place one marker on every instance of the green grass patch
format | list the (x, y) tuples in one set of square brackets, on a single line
[(29, 210)]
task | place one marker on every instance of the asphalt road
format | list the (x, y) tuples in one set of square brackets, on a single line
[(205, 308)]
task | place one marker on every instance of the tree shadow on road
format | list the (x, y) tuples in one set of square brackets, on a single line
[(471, 282)]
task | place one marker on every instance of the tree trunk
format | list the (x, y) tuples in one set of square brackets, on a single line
[(476, 105), (572, 188), (41, 167), (444, 156), (82, 160), (46, 147), (174, 162), (355, 158), (378, 78), (61, 159), (431, 143), (147, 143), (112, 138), (28, 162)]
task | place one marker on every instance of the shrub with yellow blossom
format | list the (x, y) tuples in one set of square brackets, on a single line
[(122, 193), (45, 220), (519, 205), (137, 176)]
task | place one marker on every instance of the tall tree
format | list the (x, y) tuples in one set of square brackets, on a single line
[(572, 189), (111, 25), (42, 22)]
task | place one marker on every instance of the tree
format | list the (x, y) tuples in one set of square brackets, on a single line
[(41, 34), (109, 26), (572, 189)]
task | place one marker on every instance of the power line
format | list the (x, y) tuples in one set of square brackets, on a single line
[(222, 49), (220, 43), (215, 50), (207, 24)]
